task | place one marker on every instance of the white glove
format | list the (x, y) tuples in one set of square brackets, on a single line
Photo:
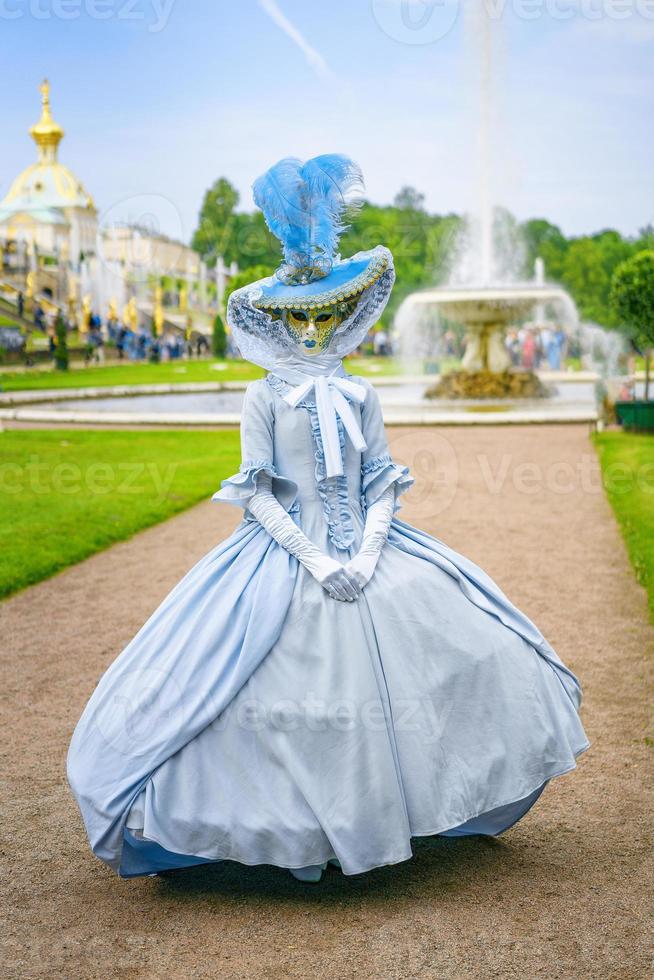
[(334, 578), (375, 533)]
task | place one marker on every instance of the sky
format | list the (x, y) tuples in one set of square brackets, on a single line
[(161, 97)]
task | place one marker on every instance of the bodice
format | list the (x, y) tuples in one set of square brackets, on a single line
[(287, 442)]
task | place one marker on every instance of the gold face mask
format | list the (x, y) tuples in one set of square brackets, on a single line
[(312, 330)]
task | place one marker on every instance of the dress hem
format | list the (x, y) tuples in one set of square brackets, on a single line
[(203, 858)]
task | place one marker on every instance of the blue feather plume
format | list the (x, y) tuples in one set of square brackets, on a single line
[(305, 205)]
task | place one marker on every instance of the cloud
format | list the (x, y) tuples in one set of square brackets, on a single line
[(313, 57)]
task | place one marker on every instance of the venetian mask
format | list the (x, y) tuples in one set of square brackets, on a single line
[(312, 330)]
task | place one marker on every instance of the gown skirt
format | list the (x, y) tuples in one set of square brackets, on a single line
[(255, 719)]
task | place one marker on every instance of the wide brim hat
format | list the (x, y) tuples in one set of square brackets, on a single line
[(347, 278), (262, 339)]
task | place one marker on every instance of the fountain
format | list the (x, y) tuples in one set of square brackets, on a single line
[(483, 295)]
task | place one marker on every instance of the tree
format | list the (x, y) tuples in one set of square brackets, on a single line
[(546, 241), (632, 299), (219, 337), (409, 199), (587, 278), (61, 348), (216, 216)]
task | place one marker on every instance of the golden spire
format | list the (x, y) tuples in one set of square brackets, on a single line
[(46, 133)]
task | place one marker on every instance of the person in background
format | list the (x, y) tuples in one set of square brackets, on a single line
[(39, 317), (626, 392), (555, 348), (380, 342), (529, 350), (140, 346), (97, 340), (121, 336), (544, 342), (513, 347)]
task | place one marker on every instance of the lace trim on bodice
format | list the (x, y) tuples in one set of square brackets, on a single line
[(333, 491)]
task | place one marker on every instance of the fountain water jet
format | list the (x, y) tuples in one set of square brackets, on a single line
[(481, 296)]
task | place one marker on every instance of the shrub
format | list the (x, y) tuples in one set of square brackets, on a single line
[(632, 299), (61, 349), (219, 337)]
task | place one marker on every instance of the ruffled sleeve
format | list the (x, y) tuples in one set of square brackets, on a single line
[(378, 470), (257, 453)]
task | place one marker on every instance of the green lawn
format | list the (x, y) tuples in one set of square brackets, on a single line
[(170, 372), (128, 373), (67, 494), (627, 461)]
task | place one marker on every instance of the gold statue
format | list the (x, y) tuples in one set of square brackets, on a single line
[(85, 315), (72, 298), (158, 314), (132, 318), (183, 299), (112, 310)]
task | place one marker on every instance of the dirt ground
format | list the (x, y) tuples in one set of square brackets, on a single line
[(564, 894)]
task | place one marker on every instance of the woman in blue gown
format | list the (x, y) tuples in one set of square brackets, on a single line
[(328, 682)]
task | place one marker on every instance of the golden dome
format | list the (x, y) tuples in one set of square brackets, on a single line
[(47, 186), (47, 183), (47, 134)]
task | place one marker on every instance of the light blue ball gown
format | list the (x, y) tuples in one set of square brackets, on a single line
[(253, 718)]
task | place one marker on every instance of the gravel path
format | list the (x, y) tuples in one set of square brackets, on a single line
[(562, 894)]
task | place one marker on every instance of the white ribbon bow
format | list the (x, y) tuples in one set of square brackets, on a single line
[(330, 402)]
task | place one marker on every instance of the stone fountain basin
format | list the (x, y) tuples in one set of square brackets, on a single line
[(488, 305)]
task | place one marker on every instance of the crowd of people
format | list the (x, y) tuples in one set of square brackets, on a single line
[(530, 348), (140, 345), (133, 344), (534, 348)]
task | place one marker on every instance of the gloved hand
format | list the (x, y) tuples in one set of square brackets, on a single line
[(335, 578), (378, 521), (332, 576)]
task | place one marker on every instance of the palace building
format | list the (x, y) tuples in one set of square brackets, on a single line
[(48, 211), (47, 205)]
